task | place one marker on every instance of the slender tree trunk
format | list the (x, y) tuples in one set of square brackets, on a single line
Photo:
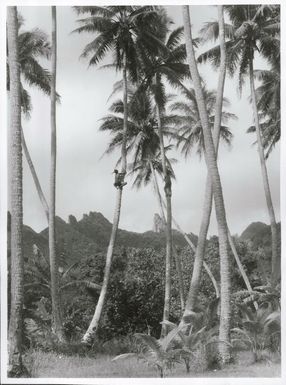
[(240, 266), (193, 247), (92, 329), (210, 155), (16, 368), (177, 258), (57, 325), (207, 207), (34, 175), (276, 268), (168, 229), (185, 235)]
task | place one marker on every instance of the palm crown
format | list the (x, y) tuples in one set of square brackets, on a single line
[(167, 63), (253, 28), (186, 126), (142, 135), (124, 30), (33, 45)]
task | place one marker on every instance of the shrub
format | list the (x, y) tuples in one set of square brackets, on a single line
[(257, 329)]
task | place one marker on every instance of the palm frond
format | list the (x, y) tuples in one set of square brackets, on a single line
[(94, 10), (210, 31)]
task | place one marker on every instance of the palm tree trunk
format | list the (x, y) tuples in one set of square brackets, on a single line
[(168, 230), (16, 368), (193, 247), (55, 293), (240, 266), (92, 329), (207, 207), (210, 156), (276, 268), (34, 175), (162, 205), (177, 258)]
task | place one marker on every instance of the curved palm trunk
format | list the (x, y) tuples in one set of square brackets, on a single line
[(207, 207), (162, 205), (34, 175), (193, 247), (210, 156), (240, 267), (276, 268), (16, 368), (168, 229), (92, 329), (177, 258), (55, 293)]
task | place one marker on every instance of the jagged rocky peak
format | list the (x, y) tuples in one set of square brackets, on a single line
[(158, 224)]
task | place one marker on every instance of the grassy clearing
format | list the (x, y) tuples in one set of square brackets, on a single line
[(60, 366)]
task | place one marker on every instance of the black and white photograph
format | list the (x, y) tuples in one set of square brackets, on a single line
[(140, 192)]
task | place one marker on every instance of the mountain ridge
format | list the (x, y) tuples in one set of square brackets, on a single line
[(90, 235)]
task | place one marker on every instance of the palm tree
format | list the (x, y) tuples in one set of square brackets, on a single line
[(254, 28), (32, 45), (121, 29), (16, 367), (210, 156), (166, 63), (55, 293)]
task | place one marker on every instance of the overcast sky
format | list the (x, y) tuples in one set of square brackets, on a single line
[(85, 182)]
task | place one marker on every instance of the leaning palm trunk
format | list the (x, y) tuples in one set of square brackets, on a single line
[(162, 205), (92, 329), (207, 207), (276, 269), (168, 228), (210, 156), (55, 293), (177, 258), (34, 175), (16, 368), (193, 247)]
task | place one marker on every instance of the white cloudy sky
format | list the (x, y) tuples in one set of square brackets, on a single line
[(85, 182)]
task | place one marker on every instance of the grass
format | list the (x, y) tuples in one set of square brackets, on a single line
[(42, 364)]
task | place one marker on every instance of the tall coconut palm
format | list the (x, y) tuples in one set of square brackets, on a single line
[(210, 157), (32, 46), (16, 368), (167, 63), (120, 29), (57, 324), (254, 28)]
